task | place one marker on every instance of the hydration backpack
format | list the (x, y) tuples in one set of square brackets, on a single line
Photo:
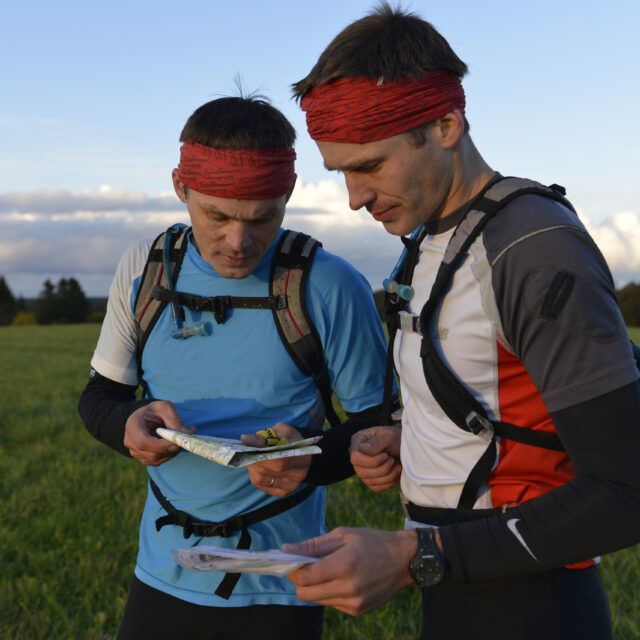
[(287, 282), (454, 398)]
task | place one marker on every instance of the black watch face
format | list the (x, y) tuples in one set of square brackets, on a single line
[(427, 567), (428, 571)]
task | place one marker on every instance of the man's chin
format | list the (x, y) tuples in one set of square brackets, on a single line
[(396, 228), (236, 272), (234, 268)]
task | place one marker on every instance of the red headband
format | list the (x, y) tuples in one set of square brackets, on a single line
[(363, 110), (241, 174)]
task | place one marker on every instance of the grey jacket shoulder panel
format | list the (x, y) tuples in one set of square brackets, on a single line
[(557, 302)]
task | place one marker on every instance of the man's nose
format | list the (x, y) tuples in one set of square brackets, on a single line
[(360, 191), (239, 236)]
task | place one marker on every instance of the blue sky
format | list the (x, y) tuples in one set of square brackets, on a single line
[(94, 95)]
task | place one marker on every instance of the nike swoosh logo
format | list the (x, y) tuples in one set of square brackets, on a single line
[(512, 525)]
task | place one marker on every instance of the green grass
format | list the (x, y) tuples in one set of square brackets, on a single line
[(69, 510)]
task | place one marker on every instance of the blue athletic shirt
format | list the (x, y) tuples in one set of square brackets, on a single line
[(240, 380)]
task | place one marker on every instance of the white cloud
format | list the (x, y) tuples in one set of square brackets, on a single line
[(618, 238), (103, 199), (53, 234)]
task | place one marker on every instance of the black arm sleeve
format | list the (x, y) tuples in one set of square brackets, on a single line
[(105, 406), (596, 512), (333, 464)]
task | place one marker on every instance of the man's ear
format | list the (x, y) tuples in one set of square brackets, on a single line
[(450, 128), (178, 185)]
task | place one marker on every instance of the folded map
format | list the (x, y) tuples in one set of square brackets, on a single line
[(271, 562), (232, 453)]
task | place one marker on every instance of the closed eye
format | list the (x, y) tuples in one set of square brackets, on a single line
[(367, 166)]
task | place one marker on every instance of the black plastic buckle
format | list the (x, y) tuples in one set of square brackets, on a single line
[(160, 293), (219, 306), (209, 529), (477, 423)]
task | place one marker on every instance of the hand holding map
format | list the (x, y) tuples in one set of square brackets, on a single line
[(232, 453)]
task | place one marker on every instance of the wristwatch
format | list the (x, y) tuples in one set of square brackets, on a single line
[(428, 567)]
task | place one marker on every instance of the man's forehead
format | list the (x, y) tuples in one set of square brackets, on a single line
[(241, 209), (349, 156)]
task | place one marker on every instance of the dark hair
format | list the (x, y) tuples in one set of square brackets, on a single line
[(387, 43), (239, 123)]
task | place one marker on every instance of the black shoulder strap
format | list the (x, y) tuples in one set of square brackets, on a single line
[(289, 273), (456, 400), (393, 304), (147, 308)]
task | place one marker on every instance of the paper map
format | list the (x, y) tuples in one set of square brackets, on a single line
[(272, 562), (232, 453)]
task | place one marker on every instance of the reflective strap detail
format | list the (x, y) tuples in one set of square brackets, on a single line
[(491, 198), (290, 238), (287, 243), (409, 323), (462, 232), (292, 319), (505, 187), (308, 246)]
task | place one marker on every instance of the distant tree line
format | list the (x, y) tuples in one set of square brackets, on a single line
[(66, 302), (629, 301), (61, 303)]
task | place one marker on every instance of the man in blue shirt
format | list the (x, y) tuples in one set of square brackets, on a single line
[(235, 176)]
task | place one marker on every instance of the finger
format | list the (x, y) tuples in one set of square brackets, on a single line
[(325, 595), (167, 414), (379, 487), (368, 471), (332, 577), (190, 429), (150, 459), (253, 440), (284, 430), (375, 444), (364, 460), (362, 436), (155, 444), (392, 475), (318, 546), (280, 486), (272, 483)]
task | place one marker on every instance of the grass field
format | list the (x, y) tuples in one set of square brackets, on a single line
[(69, 510)]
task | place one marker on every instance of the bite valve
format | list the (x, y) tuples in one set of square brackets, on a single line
[(403, 291), (202, 328), (390, 284)]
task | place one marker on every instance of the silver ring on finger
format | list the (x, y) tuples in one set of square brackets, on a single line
[(273, 482)]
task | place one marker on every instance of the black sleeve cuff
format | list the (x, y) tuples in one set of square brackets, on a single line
[(333, 464), (105, 407)]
